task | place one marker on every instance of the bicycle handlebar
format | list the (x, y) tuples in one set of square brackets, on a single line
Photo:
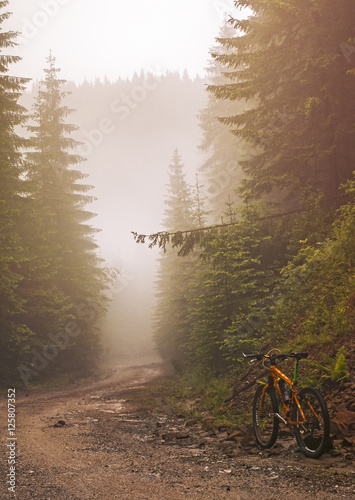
[(258, 357)]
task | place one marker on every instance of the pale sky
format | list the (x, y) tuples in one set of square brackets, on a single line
[(93, 39), (114, 38)]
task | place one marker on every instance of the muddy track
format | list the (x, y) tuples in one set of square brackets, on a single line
[(114, 438)]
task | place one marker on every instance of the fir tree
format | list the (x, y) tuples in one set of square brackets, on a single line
[(172, 322), (224, 151), (287, 60), (233, 275), (178, 201), (66, 277), (199, 214), (13, 333)]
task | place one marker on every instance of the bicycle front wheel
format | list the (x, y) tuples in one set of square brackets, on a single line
[(312, 434), (265, 423)]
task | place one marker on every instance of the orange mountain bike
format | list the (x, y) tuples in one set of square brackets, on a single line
[(303, 410)]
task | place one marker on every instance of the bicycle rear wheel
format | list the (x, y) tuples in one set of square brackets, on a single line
[(312, 435), (266, 425)]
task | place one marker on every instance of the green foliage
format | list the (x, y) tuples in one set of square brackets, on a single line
[(63, 274), (243, 291), (317, 285), (334, 368), (340, 369), (51, 281), (281, 272), (14, 334), (285, 61), (284, 88), (232, 280), (200, 393)]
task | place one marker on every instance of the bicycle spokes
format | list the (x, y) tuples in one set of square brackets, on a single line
[(304, 410), (312, 431), (264, 420)]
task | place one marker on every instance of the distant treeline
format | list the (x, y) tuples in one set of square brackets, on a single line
[(127, 130), (55, 290), (275, 174)]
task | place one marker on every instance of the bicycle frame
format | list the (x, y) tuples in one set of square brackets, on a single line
[(274, 376), (304, 410), (273, 382)]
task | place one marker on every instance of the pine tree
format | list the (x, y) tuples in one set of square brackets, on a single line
[(289, 60), (178, 201), (65, 278), (13, 333), (224, 151), (199, 214), (233, 275), (172, 322)]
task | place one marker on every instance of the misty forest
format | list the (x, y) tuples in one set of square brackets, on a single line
[(225, 203)]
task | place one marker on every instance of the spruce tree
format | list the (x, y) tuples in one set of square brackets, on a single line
[(172, 322), (232, 276), (13, 333), (221, 167), (178, 200), (199, 214), (289, 60), (67, 277)]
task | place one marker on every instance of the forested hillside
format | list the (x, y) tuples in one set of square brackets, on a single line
[(278, 268), (156, 228), (245, 180), (127, 131)]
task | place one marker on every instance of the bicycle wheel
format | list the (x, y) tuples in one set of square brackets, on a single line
[(312, 435), (266, 425)]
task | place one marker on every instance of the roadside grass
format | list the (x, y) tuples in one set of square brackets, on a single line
[(198, 397), (203, 396), (64, 379), (57, 380)]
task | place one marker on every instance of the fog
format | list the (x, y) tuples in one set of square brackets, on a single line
[(115, 38), (128, 131), (132, 69)]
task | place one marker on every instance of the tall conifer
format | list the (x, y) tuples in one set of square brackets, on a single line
[(293, 61), (67, 278), (13, 333), (221, 167), (172, 322)]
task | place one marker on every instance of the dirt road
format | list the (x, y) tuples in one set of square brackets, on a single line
[(115, 438)]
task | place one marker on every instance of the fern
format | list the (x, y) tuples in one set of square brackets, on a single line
[(340, 369), (334, 368)]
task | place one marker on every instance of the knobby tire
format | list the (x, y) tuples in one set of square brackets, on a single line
[(313, 435), (266, 425)]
